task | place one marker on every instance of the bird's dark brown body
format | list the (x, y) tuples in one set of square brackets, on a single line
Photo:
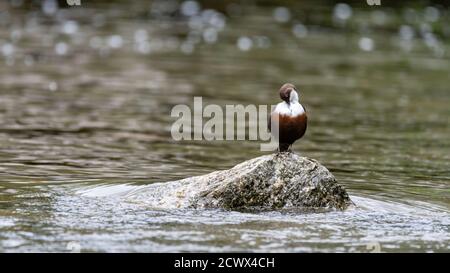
[(290, 129)]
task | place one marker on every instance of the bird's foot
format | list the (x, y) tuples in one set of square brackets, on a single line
[(278, 151)]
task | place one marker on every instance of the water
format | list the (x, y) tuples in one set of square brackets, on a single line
[(85, 100)]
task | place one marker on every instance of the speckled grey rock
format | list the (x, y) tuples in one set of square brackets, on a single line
[(283, 180)]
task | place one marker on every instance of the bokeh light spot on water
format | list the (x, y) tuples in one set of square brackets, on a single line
[(366, 44), (431, 14), (210, 35), (300, 30), (406, 32), (244, 43), (49, 7), (61, 48), (115, 41), (190, 8), (70, 27), (7, 49), (282, 14), (53, 86), (342, 11)]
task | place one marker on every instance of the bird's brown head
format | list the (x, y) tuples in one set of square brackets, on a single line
[(285, 91)]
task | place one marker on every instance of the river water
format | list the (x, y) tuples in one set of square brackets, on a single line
[(85, 100)]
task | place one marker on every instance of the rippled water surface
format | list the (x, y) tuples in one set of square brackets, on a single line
[(85, 100)]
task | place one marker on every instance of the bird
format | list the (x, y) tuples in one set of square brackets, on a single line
[(288, 117)]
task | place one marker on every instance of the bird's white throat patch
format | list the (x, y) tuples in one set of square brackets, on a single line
[(292, 109), (293, 96)]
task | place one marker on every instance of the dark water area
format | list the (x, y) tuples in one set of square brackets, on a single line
[(86, 94)]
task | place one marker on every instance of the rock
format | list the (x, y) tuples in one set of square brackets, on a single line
[(283, 180)]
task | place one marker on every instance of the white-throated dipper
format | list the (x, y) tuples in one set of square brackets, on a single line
[(289, 117)]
